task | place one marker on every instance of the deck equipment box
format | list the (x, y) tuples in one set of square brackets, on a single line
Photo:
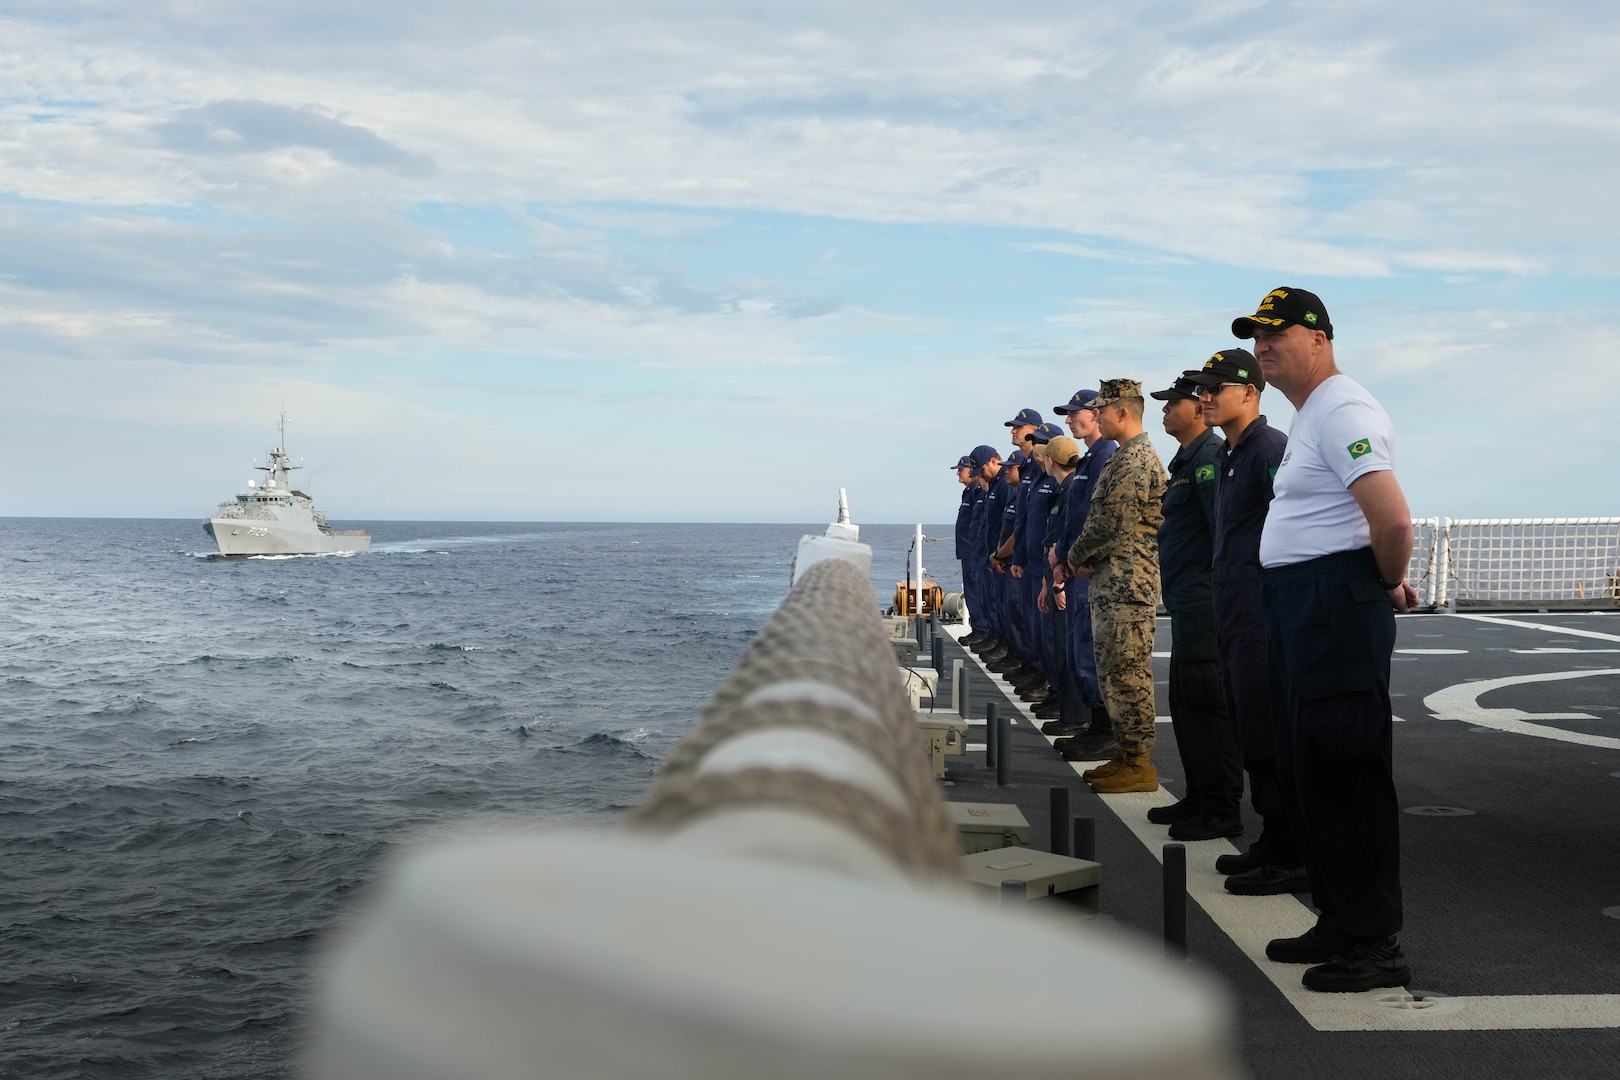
[(921, 682), (987, 826), (1045, 876), (946, 735)]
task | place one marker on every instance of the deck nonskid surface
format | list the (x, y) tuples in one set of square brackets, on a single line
[(1505, 906)]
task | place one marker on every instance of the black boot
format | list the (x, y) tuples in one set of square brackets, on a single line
[(1368, 964), (1257, 855), (1317, 945), (1094, 745), (1205, 826), (1176, 811), (1268, 880)]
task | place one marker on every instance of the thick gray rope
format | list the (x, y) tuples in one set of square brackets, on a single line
[(826, 631)]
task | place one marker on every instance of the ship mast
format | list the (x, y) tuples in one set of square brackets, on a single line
[(280, 463)]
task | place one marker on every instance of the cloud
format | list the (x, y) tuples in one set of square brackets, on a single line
[(386, 200), (251, 127)]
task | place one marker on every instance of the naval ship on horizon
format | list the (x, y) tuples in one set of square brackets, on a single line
[(276, 519)]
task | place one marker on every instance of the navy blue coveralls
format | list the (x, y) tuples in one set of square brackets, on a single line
[(1205, 734), (1030, 553), (1240, 624), (995, 594), (1073, 708), (1077, 593), (971, 494), (1012, 606), (977, 564)]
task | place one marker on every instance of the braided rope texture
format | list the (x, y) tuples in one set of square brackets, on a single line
[(827, 631)]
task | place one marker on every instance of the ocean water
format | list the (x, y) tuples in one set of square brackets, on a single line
[(204, 762)]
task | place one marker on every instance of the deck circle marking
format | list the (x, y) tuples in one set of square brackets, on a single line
[(1461, 702), (1433, 652), (1403, 1001), (1439, 811)]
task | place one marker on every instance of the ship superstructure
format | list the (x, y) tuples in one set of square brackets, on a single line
[(273, 518)]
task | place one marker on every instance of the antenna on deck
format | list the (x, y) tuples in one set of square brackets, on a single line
[(843, 528), (283, 427)]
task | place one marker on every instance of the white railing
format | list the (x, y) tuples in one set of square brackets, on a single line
[(1461, 562)]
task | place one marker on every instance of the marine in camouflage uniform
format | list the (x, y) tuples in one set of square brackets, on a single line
[(1120, 543)]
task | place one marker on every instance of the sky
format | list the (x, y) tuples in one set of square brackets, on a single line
[(713, 261)]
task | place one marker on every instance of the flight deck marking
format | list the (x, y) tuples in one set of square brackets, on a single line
[(1461, 702), (1570, 630), (1251, 921)]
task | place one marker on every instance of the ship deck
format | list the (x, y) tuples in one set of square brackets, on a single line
[(1509, 724)]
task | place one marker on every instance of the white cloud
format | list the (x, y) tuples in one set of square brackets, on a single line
[(243, 194)]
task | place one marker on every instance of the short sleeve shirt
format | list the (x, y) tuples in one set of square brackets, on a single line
[(1340, 435)]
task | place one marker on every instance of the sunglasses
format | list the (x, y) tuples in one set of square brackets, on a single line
[(1211, 391)]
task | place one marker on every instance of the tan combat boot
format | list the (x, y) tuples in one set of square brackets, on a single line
[(1107, 768), (1135, 773)]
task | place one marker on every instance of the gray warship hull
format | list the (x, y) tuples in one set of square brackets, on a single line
[(273, 518), (240, 537)]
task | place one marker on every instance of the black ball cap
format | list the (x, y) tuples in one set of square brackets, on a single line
[(1229, 366), (1181, 388), (1284, 307)]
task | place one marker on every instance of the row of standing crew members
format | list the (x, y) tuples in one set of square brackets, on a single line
[(1281, 623), (1032, 619)]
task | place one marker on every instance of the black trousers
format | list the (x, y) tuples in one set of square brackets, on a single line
[(1072, 707), (1240, 631), (1205, 736), (1330, 630)]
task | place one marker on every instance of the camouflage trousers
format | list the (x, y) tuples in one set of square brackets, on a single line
[(1123, 639)]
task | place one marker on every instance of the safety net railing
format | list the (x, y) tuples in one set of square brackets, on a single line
[(1463, 562)]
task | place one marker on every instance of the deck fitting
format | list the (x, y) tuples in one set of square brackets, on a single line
[(1439, 811)]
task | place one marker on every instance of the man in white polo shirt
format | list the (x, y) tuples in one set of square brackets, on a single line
[(1334, 550)]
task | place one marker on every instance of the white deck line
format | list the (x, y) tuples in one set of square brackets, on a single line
[(1548, 627), (1251, 921)]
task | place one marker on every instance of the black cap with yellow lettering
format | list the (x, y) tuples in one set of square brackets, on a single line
[(1282, 308), (1228, 365)]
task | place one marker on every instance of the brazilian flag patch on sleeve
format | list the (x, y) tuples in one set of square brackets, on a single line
[(1360, 448), (1203, 473)]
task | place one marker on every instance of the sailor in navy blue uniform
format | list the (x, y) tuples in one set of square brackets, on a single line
[(1073, 712), (1022, 423), (987, 472), (1230, 385), (1334, 551), (1206, 736), (971, 494), (1029, 556), (1001, 544), (1080, 414)]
